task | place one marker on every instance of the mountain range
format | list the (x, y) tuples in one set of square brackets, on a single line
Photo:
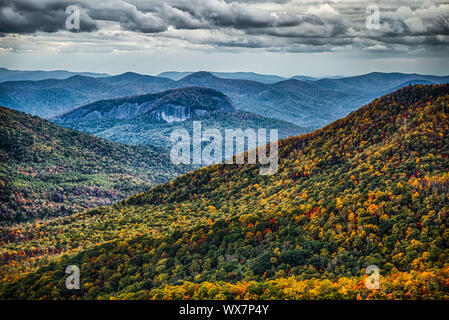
[(47, 98), (20, 75), (35, 75), (303, 103), (369, 189), (264, 78)]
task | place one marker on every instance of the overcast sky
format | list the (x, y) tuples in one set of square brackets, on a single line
[(284, 37)]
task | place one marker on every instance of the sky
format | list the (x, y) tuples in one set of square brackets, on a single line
[(283, 37)]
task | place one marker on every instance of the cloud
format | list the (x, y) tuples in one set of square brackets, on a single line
[(25, 16), (288, 25)]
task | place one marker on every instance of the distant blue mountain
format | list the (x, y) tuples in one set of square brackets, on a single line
[(378, 81), (18, 75), (308, 103), (306, 78), (264, 78), (48, 98)]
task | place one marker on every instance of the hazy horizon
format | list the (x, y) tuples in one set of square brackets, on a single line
[(219, 71), (278, 37)]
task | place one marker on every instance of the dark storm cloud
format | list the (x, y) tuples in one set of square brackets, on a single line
[(216, 14), (422, 22), (25, 16), (292, 24)]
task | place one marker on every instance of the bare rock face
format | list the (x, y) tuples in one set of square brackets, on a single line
[(168, 106)]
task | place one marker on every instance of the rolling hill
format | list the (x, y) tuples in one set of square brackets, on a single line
[(369, 189), (47, 170)]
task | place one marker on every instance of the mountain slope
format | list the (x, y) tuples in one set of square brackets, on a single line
[(168, 106), (371, 188), (146, 132), (47, 170), (150, 119)]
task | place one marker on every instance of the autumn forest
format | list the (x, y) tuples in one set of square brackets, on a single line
[(369, 189)]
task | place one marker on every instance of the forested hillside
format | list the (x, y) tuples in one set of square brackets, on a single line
[(149, 120), (145, 132), (371, 188), (167, 106), (47, 170)]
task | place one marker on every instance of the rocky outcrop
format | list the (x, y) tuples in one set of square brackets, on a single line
[(168, 106)]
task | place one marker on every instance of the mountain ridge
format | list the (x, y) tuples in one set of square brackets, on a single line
[(322, 102), (264, 78), (35, 75), (169, 106)]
